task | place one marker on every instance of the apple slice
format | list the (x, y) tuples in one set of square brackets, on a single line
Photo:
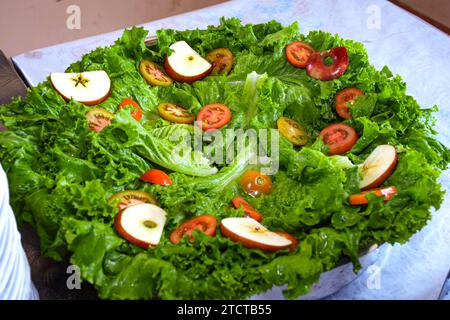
[(184, 64), (252, 234), (89, 88), (378, 166), (141, 224)]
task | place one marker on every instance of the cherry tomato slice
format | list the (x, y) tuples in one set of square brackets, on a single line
[(205, 223), (98, 119), (213, 116), (339, 137), (221, 60), (345, 96), (360, 198), (131, 197), (239, 202), (288, 236), (255, 183), (292, 131), (153, 74), (137, 112), (156, 176), (298, 53), (175, 113), (317, 68)]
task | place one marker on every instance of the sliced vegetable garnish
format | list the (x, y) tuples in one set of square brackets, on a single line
[(153, 74), (251, 234), (175, 113), (156, 176), (221, 60), (360, 198), (293, 131), (131, 197), (345, 97), (137, 112), (378, 166), (98, 119), (339, 137), (298, 53), (184, 64), (141, 224), (239, 202), (290, 237), (205, 223), (255, 183), (319, 69), (213, 116), (89, 88)]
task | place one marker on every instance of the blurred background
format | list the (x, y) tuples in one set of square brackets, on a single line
[(30, 24)]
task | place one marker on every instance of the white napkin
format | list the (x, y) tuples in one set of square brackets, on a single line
[(15, 279)]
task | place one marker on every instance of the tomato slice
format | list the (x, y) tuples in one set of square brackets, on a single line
[(153, 74), (156, 176), (221, 60), (137, 112), (131, 197), (293, 131), (205, 223), (360, 198), (239, 202), (288, 236), (98, 119), (175, 113), (255, 183), (344, 97), (298, 53), (317, 68), (339, 137), (213, 116)]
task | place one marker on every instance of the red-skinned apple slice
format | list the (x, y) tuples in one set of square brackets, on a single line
[(89, 88), (252, 234), (378, 166), (184, 64), (141, 224)]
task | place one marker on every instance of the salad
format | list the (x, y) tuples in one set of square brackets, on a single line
[(218, 163)]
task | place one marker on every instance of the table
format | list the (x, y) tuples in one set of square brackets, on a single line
[(410, 47)]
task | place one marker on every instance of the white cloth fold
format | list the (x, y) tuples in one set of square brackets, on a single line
[(15, 278)]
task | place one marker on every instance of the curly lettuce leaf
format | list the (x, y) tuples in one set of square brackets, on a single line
[(61, 173)]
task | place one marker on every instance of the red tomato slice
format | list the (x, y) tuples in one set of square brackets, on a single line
[(98, 119), (317, 68), (339, 137), (131, 197), (298, 53), (157, 177), (360, 198), (255, 183), (137, 112), (288, 236), (205, 223), (213, 116), (239, 202), (345, 96)]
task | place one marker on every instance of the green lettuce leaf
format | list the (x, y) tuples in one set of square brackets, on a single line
[(61, 174)]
